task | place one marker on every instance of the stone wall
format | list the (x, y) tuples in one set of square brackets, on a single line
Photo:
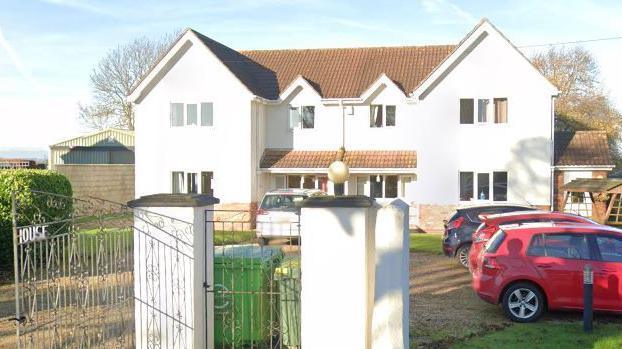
[(110, 182)]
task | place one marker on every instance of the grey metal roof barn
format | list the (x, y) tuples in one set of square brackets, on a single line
[(100, 164), (109, 146)]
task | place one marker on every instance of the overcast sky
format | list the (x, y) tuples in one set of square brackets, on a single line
[(49, 47)]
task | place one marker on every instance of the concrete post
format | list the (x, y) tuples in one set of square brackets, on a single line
[(173, 261), (390, 321), (337, 264)]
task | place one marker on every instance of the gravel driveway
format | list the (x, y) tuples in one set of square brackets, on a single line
[(443, 307)]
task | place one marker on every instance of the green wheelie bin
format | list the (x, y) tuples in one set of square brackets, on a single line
[(245, 305), (287, 275)]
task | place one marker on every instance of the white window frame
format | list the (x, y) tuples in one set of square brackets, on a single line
[(184, 116), (200, 111), (490, 110), (299, 125), (197, 172), (383, 107), (491, 189)]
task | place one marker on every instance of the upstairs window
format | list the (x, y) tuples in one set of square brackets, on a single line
[(207, 114), (191, 114), (381, 115), (469, 109), (501, 110), (482, 108), (308, 116), (390, 115), (301, 117), (466, 110), (177, 114)]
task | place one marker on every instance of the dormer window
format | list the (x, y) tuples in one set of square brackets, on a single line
[(302, 117), (381, 115)]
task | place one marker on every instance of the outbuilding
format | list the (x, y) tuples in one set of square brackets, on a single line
[(100, 164)]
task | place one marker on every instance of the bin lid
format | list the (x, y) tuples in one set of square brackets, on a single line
[(248, 251), (289, 266)]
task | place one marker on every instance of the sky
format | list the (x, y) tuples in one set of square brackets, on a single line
[(48, 48)]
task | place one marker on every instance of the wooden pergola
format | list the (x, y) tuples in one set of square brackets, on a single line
[(598, 198)]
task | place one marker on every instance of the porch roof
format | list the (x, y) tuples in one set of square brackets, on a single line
[(382, 159), (594, 185)]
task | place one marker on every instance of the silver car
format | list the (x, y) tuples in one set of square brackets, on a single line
[(278, 216)]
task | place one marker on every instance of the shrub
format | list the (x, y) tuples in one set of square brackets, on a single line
[(23, 182)]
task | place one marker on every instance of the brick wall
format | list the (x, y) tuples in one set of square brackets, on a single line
[(110, 182), (431, 217), (235, 216)]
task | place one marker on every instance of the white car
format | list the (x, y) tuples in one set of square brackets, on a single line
[(278, 216)]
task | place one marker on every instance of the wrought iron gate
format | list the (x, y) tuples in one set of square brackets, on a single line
[(256, 280), (75, 282), (73, 272)]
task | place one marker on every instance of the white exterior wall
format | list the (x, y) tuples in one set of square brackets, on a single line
[(431, 127), (243, 128), (224, 148)]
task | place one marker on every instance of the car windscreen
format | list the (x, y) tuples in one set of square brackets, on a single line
[(281, 202)]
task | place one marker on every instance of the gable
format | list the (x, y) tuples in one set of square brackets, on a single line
[(500, 53), (336, 72)]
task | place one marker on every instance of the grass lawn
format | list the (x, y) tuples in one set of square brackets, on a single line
[(233, 237), (427, 243), (545, 335)]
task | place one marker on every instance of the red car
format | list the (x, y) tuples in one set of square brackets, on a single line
[(536, 266), (490, 225)]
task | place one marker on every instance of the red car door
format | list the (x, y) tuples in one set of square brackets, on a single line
[(608, 273), (559, 259)]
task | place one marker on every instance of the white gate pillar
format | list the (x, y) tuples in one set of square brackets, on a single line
[(337, 266), (390, 322), (173, 260)]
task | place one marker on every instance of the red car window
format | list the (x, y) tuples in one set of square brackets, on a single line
[(567, 246), (610, 248)]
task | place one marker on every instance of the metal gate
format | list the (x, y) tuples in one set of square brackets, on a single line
[(73, 272), (256, 279), (75, 285)]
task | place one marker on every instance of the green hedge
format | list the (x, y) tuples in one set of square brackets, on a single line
[(22, 182)]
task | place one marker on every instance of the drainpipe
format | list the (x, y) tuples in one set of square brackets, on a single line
[(343, 124), (552, 154)]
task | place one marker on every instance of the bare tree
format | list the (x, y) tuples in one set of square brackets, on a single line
[(113, 78), (583, 103)]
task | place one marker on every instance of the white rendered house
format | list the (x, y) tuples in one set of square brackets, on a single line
[(438, 126)]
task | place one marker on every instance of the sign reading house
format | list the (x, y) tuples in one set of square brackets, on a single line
[(32, 233)]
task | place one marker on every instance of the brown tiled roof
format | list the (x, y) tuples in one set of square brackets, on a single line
[(582, 148), (283, 158), (334, 72)]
